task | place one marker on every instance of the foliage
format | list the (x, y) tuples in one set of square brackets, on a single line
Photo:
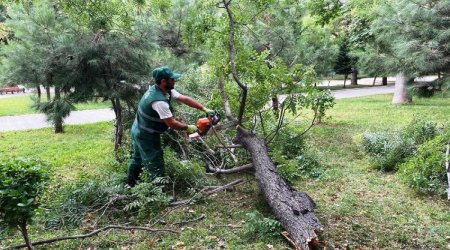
[(264, 228), (149, 196), (389, 149), (322, 102), (420, 130), (86, 194), (386, 149), (425, 171), (55, 110), (344, 62), (185, 174), (416, 35), (303, 166), (22, 183)]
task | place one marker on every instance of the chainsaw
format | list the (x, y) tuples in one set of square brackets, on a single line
[(205, 124)]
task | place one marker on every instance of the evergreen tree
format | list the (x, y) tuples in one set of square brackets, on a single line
[(344, 63)]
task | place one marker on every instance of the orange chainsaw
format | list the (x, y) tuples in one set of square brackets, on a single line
[(204, 125)]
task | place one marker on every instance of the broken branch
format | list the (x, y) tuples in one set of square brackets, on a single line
[(95, 232)]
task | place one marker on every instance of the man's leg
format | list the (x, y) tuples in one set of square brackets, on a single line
[(135, 167), (153, 156)]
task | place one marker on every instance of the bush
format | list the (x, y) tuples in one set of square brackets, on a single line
[(22, 182), (386, 149), (389, 149), (425, 172), (419, 131)]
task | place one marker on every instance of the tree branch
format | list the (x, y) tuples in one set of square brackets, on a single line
[(226, 103), (233, 62), (95, 232), (203, 191)]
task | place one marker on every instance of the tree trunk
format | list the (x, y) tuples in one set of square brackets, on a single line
[(58, 118), (118, 133), (401, 95), (384, 81), (294, 209), (374, 80), (47, 89), (354, 77), (439, 75), (24, 231), (38, 91), (275, 103), (345, 79)]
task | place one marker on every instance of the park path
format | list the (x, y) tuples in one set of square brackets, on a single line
[(36, 121)]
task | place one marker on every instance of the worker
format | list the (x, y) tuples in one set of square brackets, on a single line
[(154, 116)]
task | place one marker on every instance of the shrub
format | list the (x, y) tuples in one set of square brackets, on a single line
[(22, 182), (425, 172), (419, 131), (386, 149)]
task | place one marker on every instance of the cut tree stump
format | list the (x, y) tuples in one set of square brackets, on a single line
[(293, 208)]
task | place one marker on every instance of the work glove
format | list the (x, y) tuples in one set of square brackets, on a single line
[(208, 111), (191, 129)]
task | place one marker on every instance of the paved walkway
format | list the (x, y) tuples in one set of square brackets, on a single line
[(35, 121)]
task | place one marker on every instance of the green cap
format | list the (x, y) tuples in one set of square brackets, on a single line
[(164, 72)]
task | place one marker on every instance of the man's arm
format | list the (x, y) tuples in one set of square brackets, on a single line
[(175, 124), (190, 102)]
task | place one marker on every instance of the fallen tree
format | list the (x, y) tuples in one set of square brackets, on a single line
[(293, 208)]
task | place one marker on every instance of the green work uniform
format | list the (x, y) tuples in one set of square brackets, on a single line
[(146, 130)]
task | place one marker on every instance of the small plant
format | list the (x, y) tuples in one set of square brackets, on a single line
[(22, 183), (425, 172), (323, 101), (263, 228), (289, 171)]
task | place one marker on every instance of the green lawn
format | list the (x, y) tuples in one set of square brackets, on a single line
[(359, 207), (21, 105)]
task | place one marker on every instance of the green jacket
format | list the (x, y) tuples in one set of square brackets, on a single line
[(147, 120)]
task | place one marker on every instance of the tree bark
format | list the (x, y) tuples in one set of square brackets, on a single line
[(354, 77), (384, 81), (118, 133), (293, 208), (47, 89), (401, 95), (38, 91), (24, 231), (58, 119), (447, 167)]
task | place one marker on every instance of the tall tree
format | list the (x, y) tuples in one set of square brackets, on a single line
[(41, 53), (418, 40)]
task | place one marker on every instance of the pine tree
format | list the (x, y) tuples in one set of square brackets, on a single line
[(344, 62)]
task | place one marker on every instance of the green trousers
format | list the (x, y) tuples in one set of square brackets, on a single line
[(148, 154)]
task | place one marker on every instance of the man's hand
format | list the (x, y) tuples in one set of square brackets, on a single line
[(191, 129), (208, 111)]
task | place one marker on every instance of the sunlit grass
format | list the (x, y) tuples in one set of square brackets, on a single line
[(21, 105)]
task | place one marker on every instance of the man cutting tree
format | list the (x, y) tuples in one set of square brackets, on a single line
[(154, 117)]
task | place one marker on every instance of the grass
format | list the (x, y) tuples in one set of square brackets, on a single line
[(21, 105), (359, 207)]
